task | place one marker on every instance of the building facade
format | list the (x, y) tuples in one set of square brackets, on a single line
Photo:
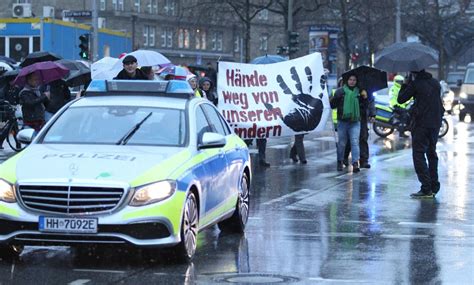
[(184, 34)]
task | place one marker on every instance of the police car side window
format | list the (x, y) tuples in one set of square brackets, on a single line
[(202, 124), (214, 119)]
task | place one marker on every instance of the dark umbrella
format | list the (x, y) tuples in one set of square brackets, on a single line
[(72, 65), (48, 71), (39, 56), (404, 57), (267, 59), (8, 76), (368, 78), (77, 78), (8, 60)]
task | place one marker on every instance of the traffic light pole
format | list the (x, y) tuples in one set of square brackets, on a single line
[(95, 33)]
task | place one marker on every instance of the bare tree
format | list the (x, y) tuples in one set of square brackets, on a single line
[(443, 24)]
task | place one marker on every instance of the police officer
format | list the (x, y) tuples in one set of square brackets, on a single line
[(427, 113), (400, 109)]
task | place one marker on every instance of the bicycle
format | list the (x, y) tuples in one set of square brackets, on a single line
[(11, 127)]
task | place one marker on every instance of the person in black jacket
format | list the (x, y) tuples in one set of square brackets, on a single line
[(59, 96), (32, 102), (130, 70), (426, 115)]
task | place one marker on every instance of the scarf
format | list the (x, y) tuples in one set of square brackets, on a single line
[(35, 90), (351, 109)]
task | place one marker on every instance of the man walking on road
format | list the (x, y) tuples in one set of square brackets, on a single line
[(426, 117)]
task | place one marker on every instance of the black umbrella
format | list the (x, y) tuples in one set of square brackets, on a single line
[(72, 65), (39, 56), (8, 60), (77, 78), (368, 78), (9, 75), (405, 56)]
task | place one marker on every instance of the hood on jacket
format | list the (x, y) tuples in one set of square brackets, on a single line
[(204, 79)]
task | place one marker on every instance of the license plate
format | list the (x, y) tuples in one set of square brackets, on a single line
[(68, 225)]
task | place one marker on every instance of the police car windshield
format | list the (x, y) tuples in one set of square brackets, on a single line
[(108, 124), (469, 76)]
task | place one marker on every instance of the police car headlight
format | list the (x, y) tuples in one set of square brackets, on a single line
[(463, 95), (7, 192), (153, 193)]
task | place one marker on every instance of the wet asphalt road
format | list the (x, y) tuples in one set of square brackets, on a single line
[(309, 224)]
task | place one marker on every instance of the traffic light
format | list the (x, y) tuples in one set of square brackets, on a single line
[(84, 46), (293, 42)]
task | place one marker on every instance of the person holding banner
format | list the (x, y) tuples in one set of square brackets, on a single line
[(347, 100)]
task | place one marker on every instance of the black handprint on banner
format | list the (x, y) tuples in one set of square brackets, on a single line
[(307, 115)]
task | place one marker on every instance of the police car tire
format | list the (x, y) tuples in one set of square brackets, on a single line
[(10, 251), (185, 250), (237, 222)]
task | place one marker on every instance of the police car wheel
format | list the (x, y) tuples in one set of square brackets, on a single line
[(238, 221), (189, 230), (10, 251)]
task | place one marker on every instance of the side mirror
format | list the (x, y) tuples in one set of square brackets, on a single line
[(459, 82), (25, 136), (212, 140)]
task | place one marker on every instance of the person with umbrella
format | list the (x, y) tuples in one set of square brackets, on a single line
[(347, 102), (130, 70), (59, 95), (426, 116), (33, 102), (31, 98)]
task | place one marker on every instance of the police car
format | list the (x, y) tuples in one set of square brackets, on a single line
[(132, 162)]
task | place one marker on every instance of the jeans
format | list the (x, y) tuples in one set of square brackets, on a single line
[(348, 130)]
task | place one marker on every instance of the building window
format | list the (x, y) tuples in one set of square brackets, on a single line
[(264, 42), (145, 35), (23, 1), (237, 44), (167, 37), (115, 5), (183, 38), (136, 6), (152, 6), (263, 15), (103, 5), (201, 39), (170, 7), (217, 41), (149, 36), (120, 5)]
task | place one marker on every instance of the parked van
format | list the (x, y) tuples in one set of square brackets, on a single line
[(466, 94)]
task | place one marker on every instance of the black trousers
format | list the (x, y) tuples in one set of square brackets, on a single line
[(363, 142), (298, 148), (424, 148), (262, 147)]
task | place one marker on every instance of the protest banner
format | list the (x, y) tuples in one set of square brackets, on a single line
[(274, 100)]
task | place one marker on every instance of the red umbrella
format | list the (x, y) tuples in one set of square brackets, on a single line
[(48, 71)]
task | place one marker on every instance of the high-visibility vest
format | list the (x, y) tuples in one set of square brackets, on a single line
[(334, 111)]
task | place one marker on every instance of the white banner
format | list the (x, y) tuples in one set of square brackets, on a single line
[(274, 100)]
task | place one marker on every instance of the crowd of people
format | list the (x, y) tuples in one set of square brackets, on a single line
[(353, 110)]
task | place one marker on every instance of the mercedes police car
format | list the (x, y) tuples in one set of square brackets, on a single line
[(143, 163)]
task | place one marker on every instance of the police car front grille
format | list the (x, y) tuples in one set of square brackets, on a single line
[(70, 199)]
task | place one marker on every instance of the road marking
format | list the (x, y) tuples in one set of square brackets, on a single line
[(80, 282), (419, 225), (100, 271), (161, 273), (300, 194), (338, 280), (361, 222)]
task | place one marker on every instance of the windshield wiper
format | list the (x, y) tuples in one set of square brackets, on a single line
[(130, 133)]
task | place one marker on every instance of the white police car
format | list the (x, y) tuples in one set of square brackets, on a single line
[(133, 162)]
